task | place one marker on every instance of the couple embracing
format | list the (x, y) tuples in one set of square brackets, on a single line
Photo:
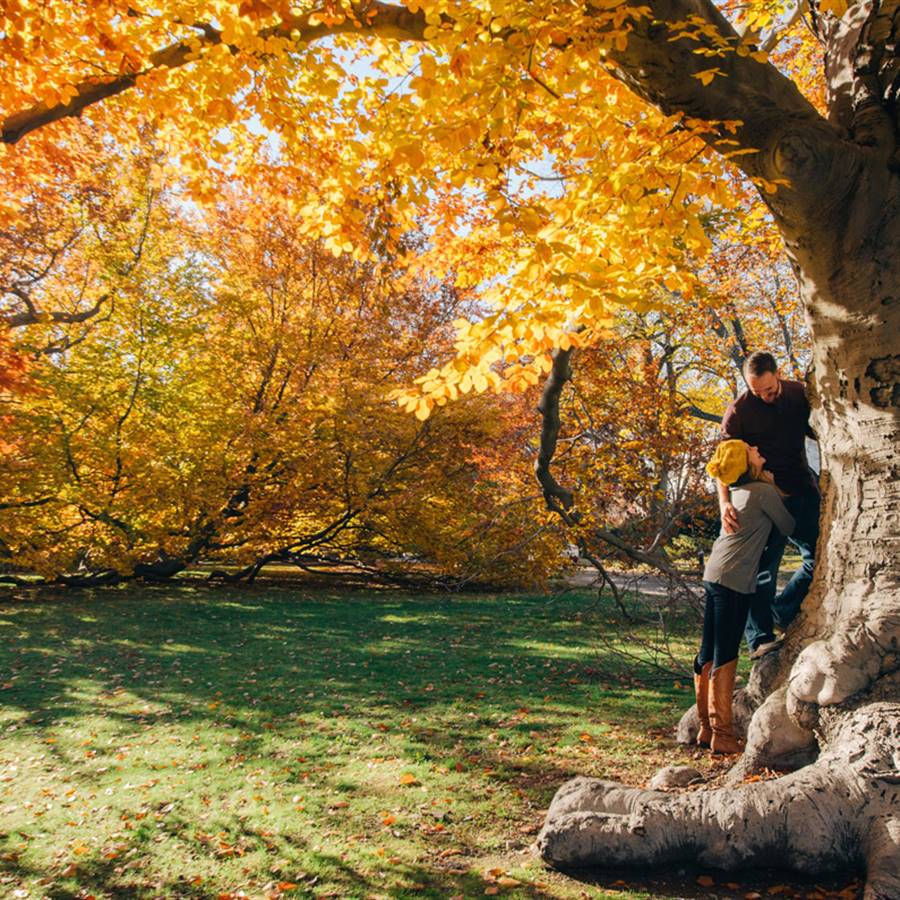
[(767, 495)]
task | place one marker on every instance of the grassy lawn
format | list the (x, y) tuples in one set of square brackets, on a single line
[(275, 741)]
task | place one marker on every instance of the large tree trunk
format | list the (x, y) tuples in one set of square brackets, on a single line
[(834, 694)]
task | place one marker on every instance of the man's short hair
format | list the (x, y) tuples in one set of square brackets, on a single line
[(759, 363)]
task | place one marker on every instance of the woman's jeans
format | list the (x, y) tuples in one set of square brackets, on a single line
[(767, 609), (723, 622)]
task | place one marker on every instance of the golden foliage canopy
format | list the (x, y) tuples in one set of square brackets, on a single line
[(502, 129)]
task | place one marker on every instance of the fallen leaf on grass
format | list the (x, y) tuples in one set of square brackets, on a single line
[(408, 778), (705, 881), (388, 819)]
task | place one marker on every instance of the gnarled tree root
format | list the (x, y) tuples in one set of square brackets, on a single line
[(839, 812)]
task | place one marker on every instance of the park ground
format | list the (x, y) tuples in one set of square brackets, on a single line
[(283, 741)]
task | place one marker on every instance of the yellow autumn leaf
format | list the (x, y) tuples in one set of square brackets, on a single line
[(707, 75), (835, 7)]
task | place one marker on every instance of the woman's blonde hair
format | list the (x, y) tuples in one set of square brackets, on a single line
[(754, 471)]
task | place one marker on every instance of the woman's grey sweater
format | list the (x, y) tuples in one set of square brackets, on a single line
[(734, 559)]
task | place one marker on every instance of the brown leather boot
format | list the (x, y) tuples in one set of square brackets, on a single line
[(701, 692), (721, 690)]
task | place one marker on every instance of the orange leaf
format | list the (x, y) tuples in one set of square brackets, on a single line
[(408, 778), (705, 881)]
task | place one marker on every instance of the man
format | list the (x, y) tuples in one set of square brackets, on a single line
[(773, 415)]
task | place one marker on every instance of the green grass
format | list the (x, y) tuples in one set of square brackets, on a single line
[(200, 742)]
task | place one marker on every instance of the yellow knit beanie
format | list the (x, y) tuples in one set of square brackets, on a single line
[(729, 462)]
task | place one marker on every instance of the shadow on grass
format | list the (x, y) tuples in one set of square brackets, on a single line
[(121, 877), (692, 882), (266, 653), (467, 683)]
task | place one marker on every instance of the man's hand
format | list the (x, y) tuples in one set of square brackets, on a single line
[(729, 515)]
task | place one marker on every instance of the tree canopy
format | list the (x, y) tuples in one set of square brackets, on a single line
[(484, 179), (513, 135)]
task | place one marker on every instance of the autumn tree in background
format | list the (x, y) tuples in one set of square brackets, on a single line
[(638, 414), (647, 115), (631, 446), (232, 405)]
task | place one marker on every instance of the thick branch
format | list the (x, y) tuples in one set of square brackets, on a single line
[(664, 71), (373, 17), (815, 170), (554, 493), (698, 413), (33, 316), (862, 72)]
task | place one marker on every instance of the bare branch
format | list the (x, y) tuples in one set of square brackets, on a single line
[(33, 316)]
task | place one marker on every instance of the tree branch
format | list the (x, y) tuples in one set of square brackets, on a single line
[(371, 17), (661, 64), (32, 316), (559, 499)]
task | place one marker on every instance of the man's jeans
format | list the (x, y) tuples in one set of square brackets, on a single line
[(767, 610)]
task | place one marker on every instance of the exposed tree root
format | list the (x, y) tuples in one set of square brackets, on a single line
[(842, 810)]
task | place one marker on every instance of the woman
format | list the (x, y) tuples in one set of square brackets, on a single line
[(729, 580)]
